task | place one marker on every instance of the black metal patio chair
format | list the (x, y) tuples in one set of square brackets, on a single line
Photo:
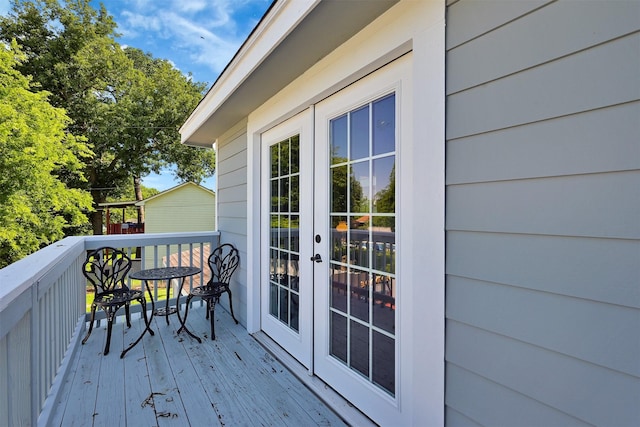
[(106, 269), (223, 262)]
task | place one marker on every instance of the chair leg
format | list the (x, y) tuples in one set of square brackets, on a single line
[(127, 315), (110, 318), (93, 317), (211, 303), (183, 321), (231, 307)]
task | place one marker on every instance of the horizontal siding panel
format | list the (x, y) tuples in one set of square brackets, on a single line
[(232, 225), (468, 19), (454, 418), (585, 391), (239, 300), (596, 141), (491, 404), (599, 205), (604, 334), (240, 242), (237, 193), (240, 292), (233, 163), (562, 28), (235, 177), (235, 209), (608, 75), (233, 144), (569, 266)]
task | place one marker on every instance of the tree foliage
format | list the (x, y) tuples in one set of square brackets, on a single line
[(35, 205), (125, 103), (385, 201)]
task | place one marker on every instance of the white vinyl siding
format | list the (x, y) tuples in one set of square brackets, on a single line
[(232, 209), (543, 208)]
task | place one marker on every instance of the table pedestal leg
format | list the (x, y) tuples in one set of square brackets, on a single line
[(147, 325)]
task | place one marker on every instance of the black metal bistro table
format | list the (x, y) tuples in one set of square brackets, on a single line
[(168, 274)]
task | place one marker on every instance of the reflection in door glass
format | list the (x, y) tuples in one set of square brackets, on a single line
[(359, 340), (384, 125), (285, 220), (339, 176), (359, 187), (338, 347), (359, 133), (339, 139), (362, 277)]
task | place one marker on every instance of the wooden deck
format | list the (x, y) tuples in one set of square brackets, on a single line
[(172, 380)]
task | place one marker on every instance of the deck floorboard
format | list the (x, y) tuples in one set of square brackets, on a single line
[(172, 380)]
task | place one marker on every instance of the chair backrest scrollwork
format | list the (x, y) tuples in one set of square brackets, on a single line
[(223, 262), (106, 269)]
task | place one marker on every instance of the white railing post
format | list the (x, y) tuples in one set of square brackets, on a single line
[(34, 356)]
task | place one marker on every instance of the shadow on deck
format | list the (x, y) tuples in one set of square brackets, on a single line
[(170, 379)]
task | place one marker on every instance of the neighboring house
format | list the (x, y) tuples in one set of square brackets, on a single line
[(437, 204), (185, 207)]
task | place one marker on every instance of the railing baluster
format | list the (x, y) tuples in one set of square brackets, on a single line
[(43, 315)]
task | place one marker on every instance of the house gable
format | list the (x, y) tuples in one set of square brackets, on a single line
[(186, 207)]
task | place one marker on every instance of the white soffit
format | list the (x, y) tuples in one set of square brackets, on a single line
[(291, 38)]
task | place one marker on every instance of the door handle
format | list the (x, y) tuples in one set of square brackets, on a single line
[(316, 258)]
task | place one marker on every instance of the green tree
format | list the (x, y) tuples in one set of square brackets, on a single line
[(35, 206), (127, 104)]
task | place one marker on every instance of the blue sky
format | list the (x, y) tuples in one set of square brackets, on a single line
[(197, 36)]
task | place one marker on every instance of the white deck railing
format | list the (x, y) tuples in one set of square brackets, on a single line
[(43, 312)]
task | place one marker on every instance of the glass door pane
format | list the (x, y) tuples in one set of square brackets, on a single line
[(362, 274), (284, 247)]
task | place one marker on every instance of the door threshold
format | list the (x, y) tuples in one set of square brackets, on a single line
[(345, 410)]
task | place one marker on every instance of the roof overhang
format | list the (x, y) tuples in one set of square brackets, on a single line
[(117, 204), (291, 37)]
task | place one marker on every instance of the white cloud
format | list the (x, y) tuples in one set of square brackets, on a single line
[(204, 46), (204, 30), (136, 24), (192, 6)]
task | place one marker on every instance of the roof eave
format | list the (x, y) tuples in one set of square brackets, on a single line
[(294, 33)]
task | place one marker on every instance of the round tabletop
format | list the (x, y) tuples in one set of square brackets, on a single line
[(165, 273)]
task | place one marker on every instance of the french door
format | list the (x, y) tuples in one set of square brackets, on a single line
[(287, 224), (330, 285)]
